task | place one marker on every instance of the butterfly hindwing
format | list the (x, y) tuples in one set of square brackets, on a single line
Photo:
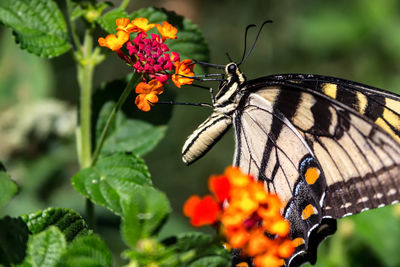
[(271, 149)]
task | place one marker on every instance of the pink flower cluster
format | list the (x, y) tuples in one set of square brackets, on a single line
[(150, 56)]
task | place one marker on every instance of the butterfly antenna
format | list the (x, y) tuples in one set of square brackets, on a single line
[(229, 57), (245, 41), (216, 66), (182, 104), (255, 41)]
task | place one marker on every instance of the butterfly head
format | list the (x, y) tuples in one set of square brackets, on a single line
[(233, 73)]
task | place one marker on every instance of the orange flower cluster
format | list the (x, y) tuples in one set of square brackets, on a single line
[(249, 217), (149, 56)]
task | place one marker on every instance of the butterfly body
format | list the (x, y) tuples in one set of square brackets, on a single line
[(328, 147)]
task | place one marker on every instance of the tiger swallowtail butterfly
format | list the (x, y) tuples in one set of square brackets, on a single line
[(328, 147)]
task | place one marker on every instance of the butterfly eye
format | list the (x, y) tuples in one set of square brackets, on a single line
[(232, 68)]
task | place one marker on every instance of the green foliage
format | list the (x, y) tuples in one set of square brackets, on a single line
[(86, 251), (107, 21), (89, 11), (128, 135), (47, 38), (13, 238), (144, 212), (45, 248), (112, 179), (208, 252), (68, 221), (7, 186)]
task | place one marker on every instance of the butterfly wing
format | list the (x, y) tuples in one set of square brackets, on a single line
[(344, 130)]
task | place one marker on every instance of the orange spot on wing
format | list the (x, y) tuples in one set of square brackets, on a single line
[(312, 174), (298, 241), (308, 211)]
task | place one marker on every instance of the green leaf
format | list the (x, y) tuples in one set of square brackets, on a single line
[(38, 26), (14, 236), (211, 261), (380, 223), (7, 186), (209, 252), (107, 21), (113, 178), (128, 135), (45, 248), (190, 42), (67, 220), (143, 214), (86, 251)]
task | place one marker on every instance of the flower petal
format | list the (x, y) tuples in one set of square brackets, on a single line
[(141, 25), (190, 205), (167, 31), (220, 186), (114, 42)]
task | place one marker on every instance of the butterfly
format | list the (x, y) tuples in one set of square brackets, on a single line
[(328, 147)]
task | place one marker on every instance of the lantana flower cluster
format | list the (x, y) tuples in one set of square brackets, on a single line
[(247, 215), (148, 54)]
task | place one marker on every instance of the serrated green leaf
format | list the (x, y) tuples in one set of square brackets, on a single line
[(14, 236), (190, 42), (128, 135), (7, 186), (211, 261), (143, 214), (208, 251), (87, 251), (112, 179), (67, 220), (107, 21), (45, 248), (38, 26)]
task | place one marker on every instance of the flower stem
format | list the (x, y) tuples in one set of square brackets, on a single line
[(124, 4), (85, 78), (75, 37), (136, 78)]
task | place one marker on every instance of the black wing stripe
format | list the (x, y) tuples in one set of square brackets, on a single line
[(361, 153), (341, 196), (277, 123), (380, 161), (273, 144)]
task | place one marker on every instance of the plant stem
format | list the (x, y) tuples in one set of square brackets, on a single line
[(85, 77), (75, 37), (124, 4), (136, 78)]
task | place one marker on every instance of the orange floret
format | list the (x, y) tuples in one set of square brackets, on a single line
[(114, 42), (220, 186), (141, 25), (182, 69), (167, 31), (250, 217), (124, 25), (148, 94), (202, 211)]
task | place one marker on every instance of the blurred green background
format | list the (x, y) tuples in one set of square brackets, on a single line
[(356, 40)]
